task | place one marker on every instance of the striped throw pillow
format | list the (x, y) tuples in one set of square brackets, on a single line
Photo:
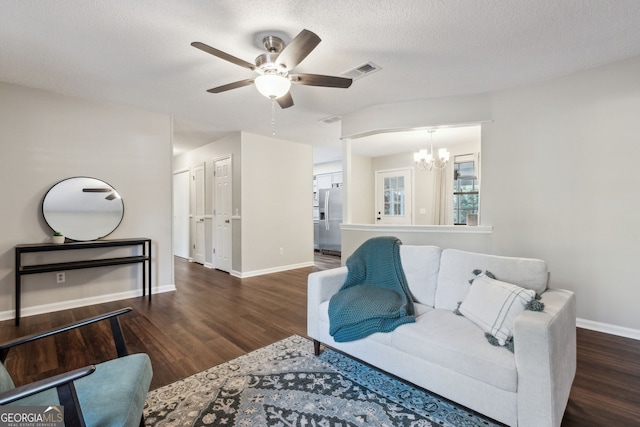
[(494, 305)]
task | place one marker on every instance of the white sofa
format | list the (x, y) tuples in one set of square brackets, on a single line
[(448, 354)]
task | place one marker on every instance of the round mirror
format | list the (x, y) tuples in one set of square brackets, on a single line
[(83, 208)]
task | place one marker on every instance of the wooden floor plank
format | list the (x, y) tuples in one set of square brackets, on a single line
[(215, 317)]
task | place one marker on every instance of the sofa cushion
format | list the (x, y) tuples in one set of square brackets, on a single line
[(455, 343), (456, 269), (421, 265), (493, 305), (380, 337)]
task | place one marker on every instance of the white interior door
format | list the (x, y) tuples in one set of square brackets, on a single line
[(181, 214), (394, 197), (198, 216), (222, 214)]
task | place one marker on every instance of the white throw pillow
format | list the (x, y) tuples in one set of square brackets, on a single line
[(494, 305)]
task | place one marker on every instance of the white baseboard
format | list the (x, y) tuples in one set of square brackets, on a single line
[(244, 275), (66, 305), (608, 328)]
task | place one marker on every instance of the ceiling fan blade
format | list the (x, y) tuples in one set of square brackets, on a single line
[(230, 86), (320, 80), (298, 49), (223, 55), (285, 101)]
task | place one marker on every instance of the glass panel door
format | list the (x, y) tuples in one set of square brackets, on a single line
[(393, 197)]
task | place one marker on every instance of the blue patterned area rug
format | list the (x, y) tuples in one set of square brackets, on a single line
[(284, 384)]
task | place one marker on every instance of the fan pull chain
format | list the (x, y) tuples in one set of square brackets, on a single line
[(273, 117)]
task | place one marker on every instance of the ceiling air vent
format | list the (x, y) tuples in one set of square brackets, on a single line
[(329, 120), (362, 70)]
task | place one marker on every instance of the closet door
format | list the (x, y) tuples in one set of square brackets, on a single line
[(222, 214)]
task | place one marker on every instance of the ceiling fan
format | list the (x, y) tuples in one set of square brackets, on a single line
[(274, 68)]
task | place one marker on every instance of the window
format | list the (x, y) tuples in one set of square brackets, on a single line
[(465, 187), (394, 196)]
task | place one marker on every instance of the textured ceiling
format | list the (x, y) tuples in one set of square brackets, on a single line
[(138, 53)]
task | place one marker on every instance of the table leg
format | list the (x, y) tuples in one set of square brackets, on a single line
[(149, 267), (18, 286)]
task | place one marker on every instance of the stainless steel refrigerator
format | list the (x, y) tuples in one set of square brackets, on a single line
[(330, 207)]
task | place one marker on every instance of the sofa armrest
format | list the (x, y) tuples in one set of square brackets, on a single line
[(321, 285), (545, 355), (36, 387)]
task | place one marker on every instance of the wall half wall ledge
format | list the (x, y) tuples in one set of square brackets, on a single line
[(480, 229), (474, 239)]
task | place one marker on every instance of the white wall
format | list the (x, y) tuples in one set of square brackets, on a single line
[(277, 204), (454, 110), (361, 190), (327, 167), (44, 138), (560, 168), (559, 171)]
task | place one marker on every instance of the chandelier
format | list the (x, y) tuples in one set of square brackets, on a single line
[(427, 161)]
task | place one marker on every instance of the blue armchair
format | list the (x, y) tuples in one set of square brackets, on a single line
[(111, 393)]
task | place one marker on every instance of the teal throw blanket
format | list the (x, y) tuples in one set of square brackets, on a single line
[(375, 296)]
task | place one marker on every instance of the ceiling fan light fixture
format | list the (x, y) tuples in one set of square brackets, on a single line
[(273, 86)]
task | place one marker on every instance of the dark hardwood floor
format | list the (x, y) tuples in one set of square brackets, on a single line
[(215, 317)]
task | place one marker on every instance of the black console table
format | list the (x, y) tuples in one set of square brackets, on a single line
[(143, 257)]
